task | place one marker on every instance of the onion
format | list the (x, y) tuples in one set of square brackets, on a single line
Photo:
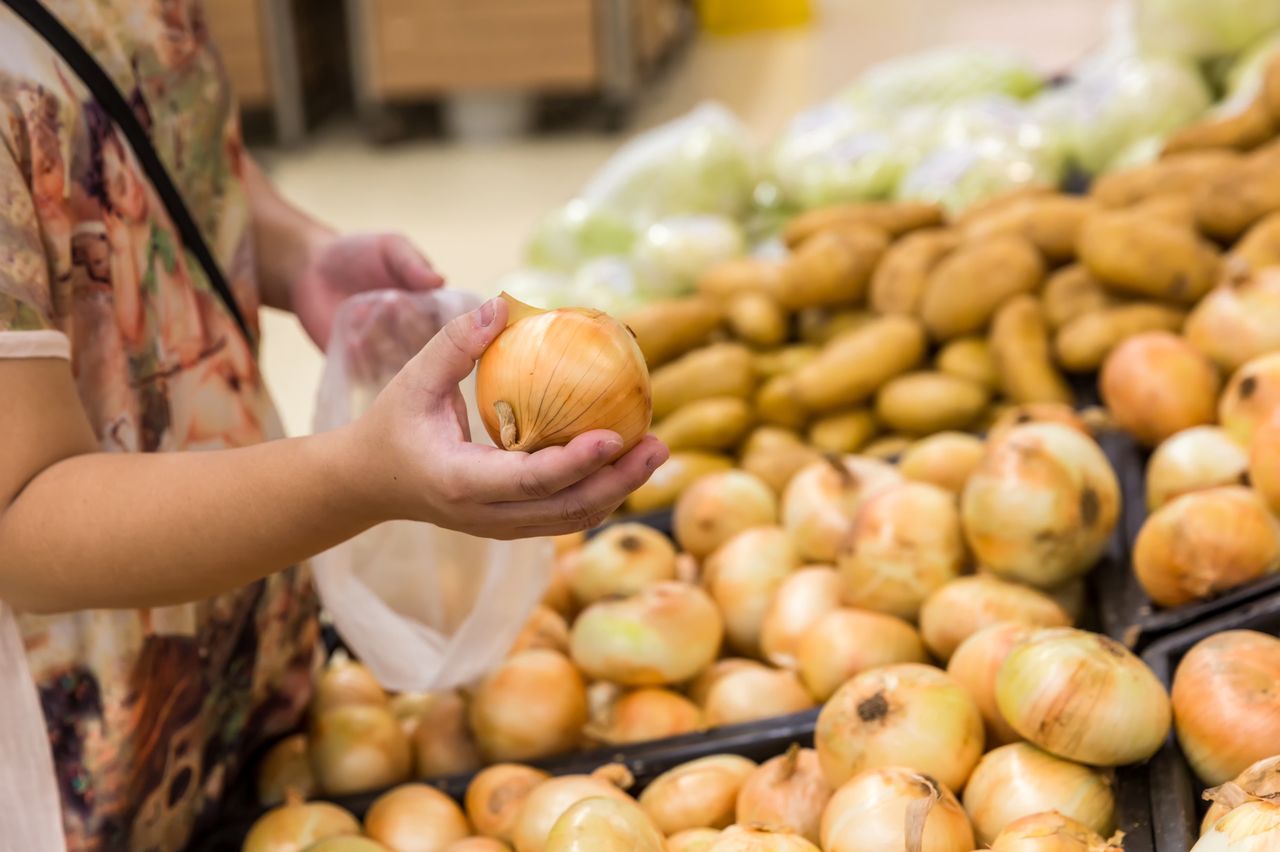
[(945, 460), (345, 682), (1050, 832), (294, 826), (569, 542), (1036, 412), (356, 748), (533, 705), (975, 664), (1042, 505), (698, 794), (776, 455), (718, 506), (1019, 780), (1205, 543), (700, 687), (755, 693), (1238, 320), (1156, 384), (347, 844), (478, 844), (646, 714), (908, 715), (1251, 827), (559, 595), (1084, 697), (545, 628), (667, 633), (895, 808), (496, 795), (1250, 397), (739, 838), (408, 707), (821, 501), (742, 577), (552, 375), (788, 793), (802, 599), (622, 560), (1261, 780), (688, 569), (693, 840), (1225, 706), (604, 824), (905, 544), (442, 743), (964, 606), (547, 802), (850, 641), (415, 817), (1192, 460), (1264, 461), (286, 768)]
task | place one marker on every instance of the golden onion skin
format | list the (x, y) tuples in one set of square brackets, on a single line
[(1050, 832), (822, 499), (495, 796), (975, 666), (847, 642), (1250, 397), (966, 605), (701, 793), (552, 375), (604, 824), (1192, 460), (874, 811), (1157, 384)]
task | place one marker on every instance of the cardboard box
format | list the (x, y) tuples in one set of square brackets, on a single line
[(238, 29)]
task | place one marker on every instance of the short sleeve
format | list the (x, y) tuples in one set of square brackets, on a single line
[(26, 324)]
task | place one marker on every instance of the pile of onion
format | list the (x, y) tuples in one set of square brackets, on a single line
[(1192, 460), (693, 840), (545, 628), (1225, 703), (905, 544), (645, 714), (755, 838), (975, 665), (415, 816), (1084, 697), (1041, 506), (1238, 320), (351, 844), (742, 577), (1156, 384), (802, 599), (1250, 826), (788, 792), (821, 501), (285, 769), (946, 460), (1051, 832), (1261, 780), (1204, 543), (1037, 412), (895, 808), (755, 692), (604, 824), (553, 375), (345, 682), (496, 795), (621, 560), (533, 705), (442, 741), (295, 825), (847, 642), (355, 748), (1250, 397), (720, 505), (1019, 780), (548, 801), (702, 793), (665, 634), (964, 606), (907, 715)]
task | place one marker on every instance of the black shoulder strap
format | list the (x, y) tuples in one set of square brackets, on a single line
[(108, 96)]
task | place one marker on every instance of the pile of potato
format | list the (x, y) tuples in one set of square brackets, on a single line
[(887, 322)]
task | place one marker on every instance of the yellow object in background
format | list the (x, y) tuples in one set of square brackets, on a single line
[(726, 17)]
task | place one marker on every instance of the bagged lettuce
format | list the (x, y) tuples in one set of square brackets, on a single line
[(836, 152), (607, 284), (575, 233), (1245, 77), (1202, 29), (672, 253), (944, 76), (542, 288)]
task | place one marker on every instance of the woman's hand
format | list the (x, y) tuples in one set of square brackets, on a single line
[(416, 460)]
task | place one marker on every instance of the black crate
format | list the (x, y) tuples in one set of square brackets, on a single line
[(1176, 806)]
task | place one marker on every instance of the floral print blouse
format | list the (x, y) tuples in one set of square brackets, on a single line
[(150, 713)]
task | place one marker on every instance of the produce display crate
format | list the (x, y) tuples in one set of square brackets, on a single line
[(1176, 806)]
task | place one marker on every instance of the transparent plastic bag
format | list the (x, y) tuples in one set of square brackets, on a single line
[(424, 608)]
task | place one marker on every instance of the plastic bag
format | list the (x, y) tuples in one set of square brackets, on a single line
[(1204, 28), (673, 253), (835, 152), (424, 608), (944, 76)]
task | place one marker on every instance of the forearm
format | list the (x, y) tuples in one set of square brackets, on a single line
[(284, 237), (129, 530)]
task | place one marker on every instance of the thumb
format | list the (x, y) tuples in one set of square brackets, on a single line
[(451, 355)]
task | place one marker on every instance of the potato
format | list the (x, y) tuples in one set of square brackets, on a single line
[(778, 362), (1259, 247), (844, 432), (927, 402), (1242, 131), (831, 268), (723, 369), (671, 327), (1174, 208), (968, 358), (996, 204), (1233, 201), (893, 217), (854, 365), (740, 275), (1071, 292), (1180, 173), (1270, 91), (757, 319), (966, 288), (776, 455), (672, 477), (717, 423), (1050, 222), (1025, 370), (776, 404), (821, 325), (899, 281), (1082, 344), (1137, 255), (888, 448)]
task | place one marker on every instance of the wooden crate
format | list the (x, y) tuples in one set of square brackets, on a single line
[(238, 28)]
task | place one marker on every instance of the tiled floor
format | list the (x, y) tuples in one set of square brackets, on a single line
[(471, 207)]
